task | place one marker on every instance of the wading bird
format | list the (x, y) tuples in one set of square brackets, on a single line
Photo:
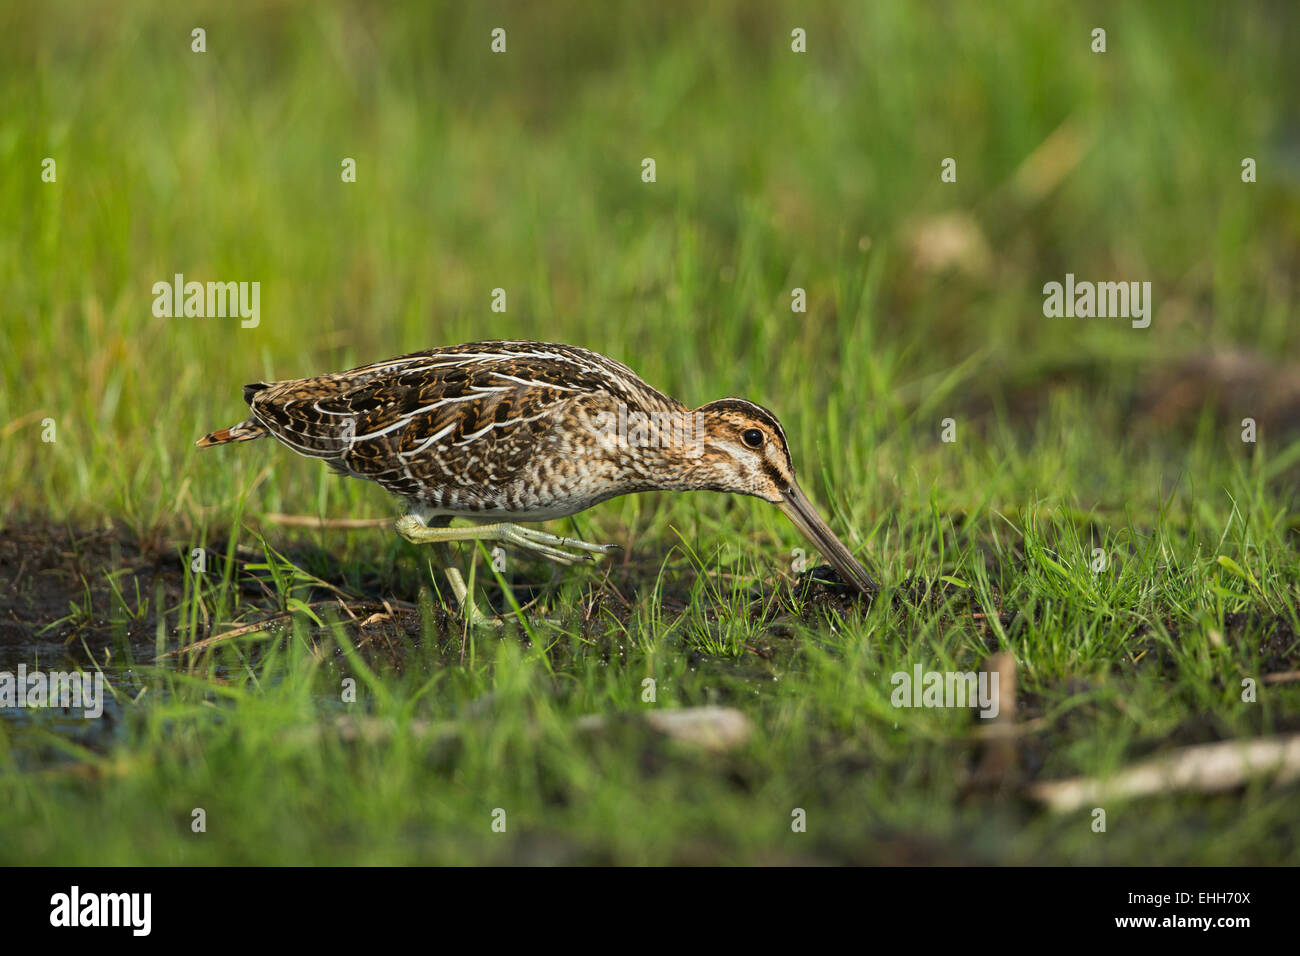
[(503, 432)]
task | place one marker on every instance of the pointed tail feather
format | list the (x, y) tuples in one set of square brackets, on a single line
[(245, 431)]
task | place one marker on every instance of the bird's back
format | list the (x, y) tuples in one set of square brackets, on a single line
[(477, 428)]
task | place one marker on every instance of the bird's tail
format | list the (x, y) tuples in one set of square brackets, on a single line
[(246, 430)]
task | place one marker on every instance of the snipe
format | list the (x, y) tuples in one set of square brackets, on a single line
[(502, 432)]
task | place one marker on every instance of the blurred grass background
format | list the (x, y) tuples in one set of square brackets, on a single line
[(775, 170), (522, 171)]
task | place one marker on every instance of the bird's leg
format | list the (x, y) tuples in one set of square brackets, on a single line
[(412, 528), (548, 546)]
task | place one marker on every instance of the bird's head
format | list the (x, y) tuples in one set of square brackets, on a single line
[(744, 451)]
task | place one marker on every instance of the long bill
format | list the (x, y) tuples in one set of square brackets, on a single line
[(799, 509)]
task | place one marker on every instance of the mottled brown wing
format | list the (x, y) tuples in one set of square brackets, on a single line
[(448, 425)]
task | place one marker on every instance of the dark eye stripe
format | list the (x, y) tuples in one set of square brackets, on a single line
[(776, 477)]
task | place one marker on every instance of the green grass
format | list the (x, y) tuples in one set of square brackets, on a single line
[(774, 171)]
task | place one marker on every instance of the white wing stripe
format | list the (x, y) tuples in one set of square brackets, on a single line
[(441, 433), (509, 421), (533, 384), (405, 419)]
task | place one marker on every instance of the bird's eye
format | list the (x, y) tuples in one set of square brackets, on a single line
[(752, 437)]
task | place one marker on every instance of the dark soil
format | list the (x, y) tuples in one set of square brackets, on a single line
[(56, 597)]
